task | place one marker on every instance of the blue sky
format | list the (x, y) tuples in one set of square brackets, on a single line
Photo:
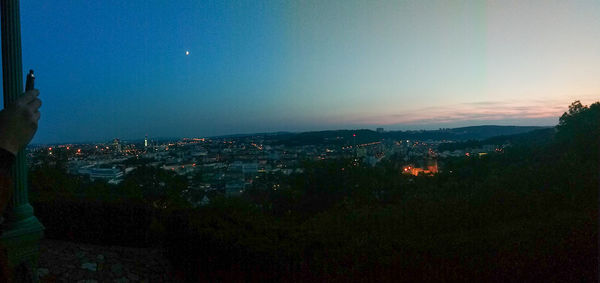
[(118, 68)]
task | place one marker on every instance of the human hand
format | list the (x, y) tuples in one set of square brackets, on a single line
[(19, 121)]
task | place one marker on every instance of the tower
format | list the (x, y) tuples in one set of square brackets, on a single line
[(117, 144), (354, 146)]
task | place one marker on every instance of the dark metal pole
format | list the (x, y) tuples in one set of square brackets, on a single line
[(22, 230)]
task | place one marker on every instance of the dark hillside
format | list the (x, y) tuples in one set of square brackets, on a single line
[(540, 137), (527, 214), (342, 137)]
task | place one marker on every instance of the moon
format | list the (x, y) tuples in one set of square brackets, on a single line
[(187, 52)]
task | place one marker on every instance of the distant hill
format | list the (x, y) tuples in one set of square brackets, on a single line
[(535, 137), (483, 132), (464, 133), (233, 136), (364, 135)]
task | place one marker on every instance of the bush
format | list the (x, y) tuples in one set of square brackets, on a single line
[(126, 223), (229, 238)]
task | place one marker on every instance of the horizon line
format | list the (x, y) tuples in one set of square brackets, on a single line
[(274, 132)]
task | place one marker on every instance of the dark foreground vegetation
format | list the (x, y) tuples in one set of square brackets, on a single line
[(526, 214)]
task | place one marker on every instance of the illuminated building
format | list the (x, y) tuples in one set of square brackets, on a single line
[(410, 169), (432, 166), (116, 144), (112, 175), (146, 141)]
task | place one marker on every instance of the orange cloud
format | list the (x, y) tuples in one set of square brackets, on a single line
[(475, 111)]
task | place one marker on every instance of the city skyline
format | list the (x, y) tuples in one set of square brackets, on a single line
[(114, 69), (148, 141)]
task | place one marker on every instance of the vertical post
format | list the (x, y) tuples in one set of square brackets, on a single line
[(21, 230)]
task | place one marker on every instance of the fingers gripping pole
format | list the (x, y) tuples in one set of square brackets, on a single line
[(21, 229)]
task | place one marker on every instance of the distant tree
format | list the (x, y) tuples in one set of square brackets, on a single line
[(138, 161), (52, 182), (155, 185), (579, 128), (197, 177)]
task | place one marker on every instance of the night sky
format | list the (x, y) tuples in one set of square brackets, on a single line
[(110, 69)]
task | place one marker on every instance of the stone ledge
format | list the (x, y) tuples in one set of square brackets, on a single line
[(62, 261)]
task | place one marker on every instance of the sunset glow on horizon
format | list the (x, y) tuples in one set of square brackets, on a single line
[(312, 65)]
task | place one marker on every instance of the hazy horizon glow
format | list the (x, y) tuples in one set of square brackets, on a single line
[(120, 68)]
